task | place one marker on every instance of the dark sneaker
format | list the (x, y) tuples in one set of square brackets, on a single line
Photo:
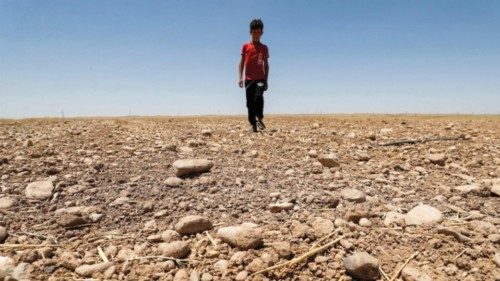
[(261, 125), (254, 128)]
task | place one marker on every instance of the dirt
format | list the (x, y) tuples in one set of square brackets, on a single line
[(115, 169)]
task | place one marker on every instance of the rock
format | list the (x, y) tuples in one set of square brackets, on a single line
[(385, 131), (206, 132), (221, 266), (362, 266), (458, 236), (3, 234), (494, 238), (70, 220), (283, 249), (365, 222), (394, 218), (356, 215), (312, 153), (255, 265), (182, 275), (170, 236), (329, 160), (120, 201), (466, 189), (39, 190), (413, 274), (496, 259), (322, 227), (423, 215), (245, 236), (192, 225), (206, 277), (89, 270), (6, 202), (173, 182), (189, 166), (176, 249), (495, 189), (483, 227), (438, 159), (353, 195), (278, 207), (241, 276), (362, 156)]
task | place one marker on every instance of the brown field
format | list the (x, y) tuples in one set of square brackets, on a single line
[(111, 193)]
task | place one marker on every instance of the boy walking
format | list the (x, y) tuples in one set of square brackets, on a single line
[(254, 59)]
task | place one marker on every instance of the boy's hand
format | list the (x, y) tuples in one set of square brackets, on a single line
[(265, 85), (240, 83)]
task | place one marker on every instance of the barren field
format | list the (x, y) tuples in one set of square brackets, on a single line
[(309, 198)]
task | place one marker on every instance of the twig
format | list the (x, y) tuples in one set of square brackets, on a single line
[(210, 238), (400, 142), (102, 254), (324, 238), (396, 274), (26, 245), (177, 261), (301, 258), (383, 273), (461, 253)]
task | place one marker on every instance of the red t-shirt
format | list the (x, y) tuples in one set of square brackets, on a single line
[(254, 55)]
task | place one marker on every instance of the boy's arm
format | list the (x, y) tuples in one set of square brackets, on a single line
[(266, 68), (240, 71)]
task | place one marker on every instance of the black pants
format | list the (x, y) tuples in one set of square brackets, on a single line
[(255, 100)]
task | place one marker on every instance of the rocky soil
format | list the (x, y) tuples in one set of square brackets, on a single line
[(205, 199)]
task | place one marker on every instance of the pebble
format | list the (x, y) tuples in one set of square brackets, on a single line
[(255, 265), (89, 270), (173, 182), (245, 236), (170, 236), (70, 220), (283, 249), (181, 275), (176, 249), (494, 238), (329, 160), (362, 266), (414, 274), (192, 225), (39, 190), (278, 207), (188, 166), (6, 202), (353, 195), (394, 218), (496, 259), (365, 222), (241, 276), (3, 234), (312, 153), (438, 159), (423, 215), (322, 227)]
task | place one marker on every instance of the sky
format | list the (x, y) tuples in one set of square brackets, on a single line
[(119, 58)]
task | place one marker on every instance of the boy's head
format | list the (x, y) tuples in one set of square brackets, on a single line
[(256, 29)]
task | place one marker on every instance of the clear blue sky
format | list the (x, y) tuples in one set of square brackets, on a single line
[(102, 58)]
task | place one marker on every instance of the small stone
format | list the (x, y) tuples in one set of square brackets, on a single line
[(173, 182), (189, 166), (494, 238), (438, 159), (181, 275), (466, 189), (170, 236), (496, 259), (365, 222), (206, 132), (221, 266), (283, 249), (261, 179), (241, 276), (168, 265), (363, 156), (322, 227), (207, 277), (353, 195), (423, 215), (394, 218), (39, 190), (120, 201), (89, 270), (245, 236), (192, 225), (176, 249), (278, 207), (312, 153), (3, 234), (413, 274), (329, 160), (70, 220), (362, 266), (256, 265), (495, 189), (6, 202)]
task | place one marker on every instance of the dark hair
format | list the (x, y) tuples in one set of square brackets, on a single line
[(256, 24)]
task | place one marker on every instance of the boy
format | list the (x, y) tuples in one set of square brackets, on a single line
[(254, 56)]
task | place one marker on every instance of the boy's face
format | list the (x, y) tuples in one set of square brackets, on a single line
[(256, 34)]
